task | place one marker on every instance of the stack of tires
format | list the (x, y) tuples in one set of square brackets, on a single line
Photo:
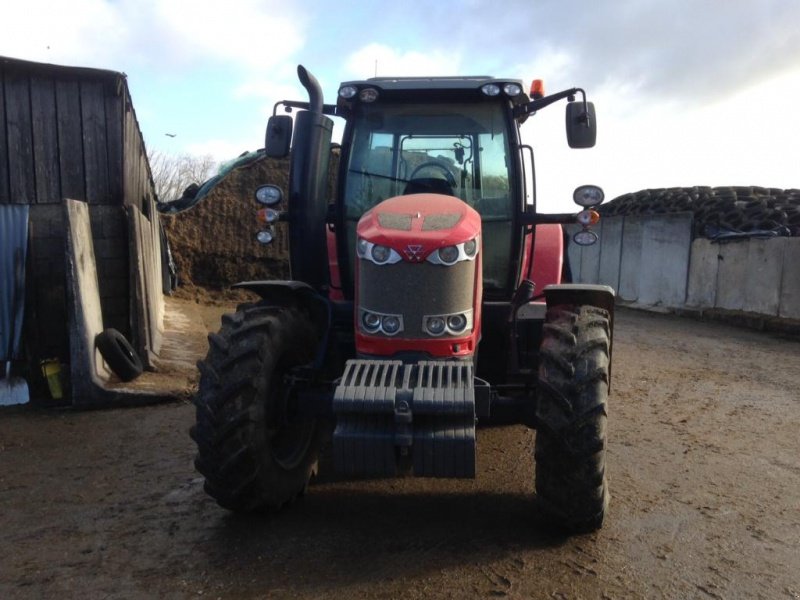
[(741, 209)]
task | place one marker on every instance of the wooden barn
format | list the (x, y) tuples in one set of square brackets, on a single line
[(72, 133)]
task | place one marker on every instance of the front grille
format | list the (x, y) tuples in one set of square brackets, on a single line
[(415, 290)]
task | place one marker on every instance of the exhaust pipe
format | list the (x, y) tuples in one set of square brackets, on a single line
[(308, 186)]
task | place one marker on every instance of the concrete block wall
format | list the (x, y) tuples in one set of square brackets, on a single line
[(653, 261)]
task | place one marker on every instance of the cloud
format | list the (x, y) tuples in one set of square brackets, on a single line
[(159, 35), (678, 49), (388, 61)]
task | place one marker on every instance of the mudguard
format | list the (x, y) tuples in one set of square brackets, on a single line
[(581, 293), (293, 293), (601, 296)]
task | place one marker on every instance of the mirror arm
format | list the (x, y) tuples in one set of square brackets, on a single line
[(534, 105), (531, 218), (327, 109)]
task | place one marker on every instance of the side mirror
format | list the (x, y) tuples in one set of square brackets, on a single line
[(581, 125), (279, 136)]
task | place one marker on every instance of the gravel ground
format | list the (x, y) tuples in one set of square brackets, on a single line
[(702, 462)]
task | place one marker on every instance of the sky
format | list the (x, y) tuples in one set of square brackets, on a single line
[(687, 92)]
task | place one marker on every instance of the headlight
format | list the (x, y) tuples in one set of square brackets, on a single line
[(471, 247), (266, 236), (457, 323), (435, 325), (390, 324), (512, 89), (268, 195), (373, 322), (491, 89), (368, 95), (587, 237), (453, 324), (380, 255), (450, 255), (348, 91), (588, 196)]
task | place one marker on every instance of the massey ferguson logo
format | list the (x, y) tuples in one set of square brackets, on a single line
[(414, 252)]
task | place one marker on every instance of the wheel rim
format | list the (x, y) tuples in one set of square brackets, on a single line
[(292, 436)]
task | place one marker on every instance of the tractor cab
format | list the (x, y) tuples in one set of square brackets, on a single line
[(437, 136)]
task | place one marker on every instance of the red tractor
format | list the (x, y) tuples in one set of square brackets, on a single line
[(426, 296)]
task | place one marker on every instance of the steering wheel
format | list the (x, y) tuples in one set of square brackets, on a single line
[(448, 174)]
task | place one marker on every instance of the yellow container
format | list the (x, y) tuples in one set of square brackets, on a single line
[(51, 369)]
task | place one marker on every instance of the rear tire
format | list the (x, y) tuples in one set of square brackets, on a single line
[(570, 450), (253, 452)]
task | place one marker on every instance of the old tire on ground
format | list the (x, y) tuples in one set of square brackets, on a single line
[(254, 451), (118, 353), (574, 362)]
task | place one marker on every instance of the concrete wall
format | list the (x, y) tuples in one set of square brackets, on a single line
[(653, 261)]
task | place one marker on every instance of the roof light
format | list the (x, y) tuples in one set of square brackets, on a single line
[(512, 89), (491, 89), (537, 89), (368, 95), (348, 91)]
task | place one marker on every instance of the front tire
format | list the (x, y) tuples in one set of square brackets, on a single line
[(254, 452), (574, 367)]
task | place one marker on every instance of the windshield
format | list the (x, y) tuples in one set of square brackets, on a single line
[(455, 149)]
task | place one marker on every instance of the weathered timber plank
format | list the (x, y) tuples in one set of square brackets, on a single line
[(70, 139), (95, 158), (4, 188), (21, 175), (45, 140), (114, 100)]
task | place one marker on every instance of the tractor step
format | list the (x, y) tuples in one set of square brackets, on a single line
[(386, 411)]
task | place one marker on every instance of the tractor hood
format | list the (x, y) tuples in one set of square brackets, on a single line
[(418, 224)]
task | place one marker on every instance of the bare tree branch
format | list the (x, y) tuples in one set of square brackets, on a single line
[(173, 173)]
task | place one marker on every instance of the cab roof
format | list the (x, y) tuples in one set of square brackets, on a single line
[(466, 88)]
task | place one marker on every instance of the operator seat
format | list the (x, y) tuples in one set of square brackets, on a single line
[(428, 185)]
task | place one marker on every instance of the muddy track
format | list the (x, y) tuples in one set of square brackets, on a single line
[(703, 471)]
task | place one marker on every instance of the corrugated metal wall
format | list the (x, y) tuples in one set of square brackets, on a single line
[(13, 250)]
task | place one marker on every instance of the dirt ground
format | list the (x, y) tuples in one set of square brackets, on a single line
[(703, 467)]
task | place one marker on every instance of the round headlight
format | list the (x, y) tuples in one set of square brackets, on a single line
[(435, 325), (348, 91), (380, 254), (471, 247), (268, 195), (512, 89), (448, 255), (390, 324), (361, 247), (457, 323), (371, 321), (491, 89)]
